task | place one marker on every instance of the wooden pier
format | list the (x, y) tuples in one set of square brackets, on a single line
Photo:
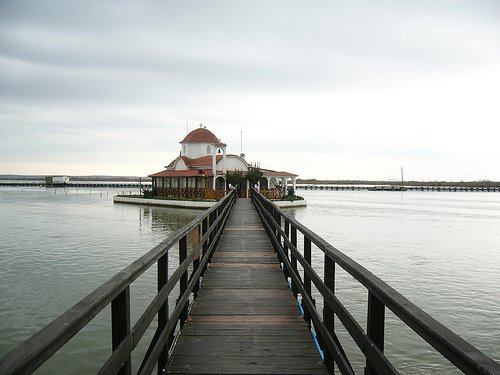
[(246, 319), (227, 307)]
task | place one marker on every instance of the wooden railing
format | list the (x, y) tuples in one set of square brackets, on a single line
[(32, 353), (271, 194), (283, 229), (188, 193)]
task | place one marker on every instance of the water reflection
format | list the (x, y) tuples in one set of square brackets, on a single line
[(440, 250), (57, 247)]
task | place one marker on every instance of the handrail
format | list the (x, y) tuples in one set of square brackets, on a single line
[(282, 230), (33, 352)]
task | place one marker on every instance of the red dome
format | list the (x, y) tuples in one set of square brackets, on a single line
[(201, 135)]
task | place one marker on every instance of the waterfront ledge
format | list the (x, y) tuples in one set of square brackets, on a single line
[(193, 204), (165, 202)]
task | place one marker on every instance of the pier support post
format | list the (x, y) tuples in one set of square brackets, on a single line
[(120, 325), (375, 326), (307, 279), (183, 282), (285, 249), (328, 314), (293, 259), (196, 234), (163, 312)]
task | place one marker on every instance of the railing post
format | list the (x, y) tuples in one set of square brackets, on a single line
[(269, 210), (163, 312), (120, 325), (307, 279), (277, 218), (285, 248), (183, 282), (212, 233), (204, 230), (328, 315), (375, 326), (273, 229), (293, 259), (196, 261)]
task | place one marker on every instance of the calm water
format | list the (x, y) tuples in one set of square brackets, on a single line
[(57, 246), (441, 250)]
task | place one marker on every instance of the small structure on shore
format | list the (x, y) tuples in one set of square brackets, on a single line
[(56, 180), (202, 167)]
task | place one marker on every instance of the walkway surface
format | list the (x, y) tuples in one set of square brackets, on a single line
[(245, 319)]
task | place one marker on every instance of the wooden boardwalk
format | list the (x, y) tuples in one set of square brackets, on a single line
[(245, 319)]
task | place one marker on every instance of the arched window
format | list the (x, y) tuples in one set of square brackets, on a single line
[(220, 183), (209, 149)]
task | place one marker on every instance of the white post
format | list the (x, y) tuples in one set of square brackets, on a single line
[(214, 169), (224, 166), (294, 179)]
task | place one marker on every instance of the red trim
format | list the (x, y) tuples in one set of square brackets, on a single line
[(186, 173)]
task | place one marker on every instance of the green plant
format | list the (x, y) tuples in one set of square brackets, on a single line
[(235, 178), (290, 195), (148, 193), (254, 175)]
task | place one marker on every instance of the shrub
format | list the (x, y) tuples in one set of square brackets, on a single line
[(148, 193)]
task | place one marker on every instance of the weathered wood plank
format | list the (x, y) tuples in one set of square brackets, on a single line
[(246, 365), (233, 328)]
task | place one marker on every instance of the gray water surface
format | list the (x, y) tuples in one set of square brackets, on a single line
[(59, 245), (440, 250)]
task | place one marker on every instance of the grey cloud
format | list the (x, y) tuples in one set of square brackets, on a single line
[(93, 50), (70, 70)]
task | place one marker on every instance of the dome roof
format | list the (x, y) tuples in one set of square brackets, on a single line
[(201, 135)]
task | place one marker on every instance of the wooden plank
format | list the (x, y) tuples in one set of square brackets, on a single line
[(266, 346), (245, 319), (248, 254), (236, 328), (244, 265), (225, 364)]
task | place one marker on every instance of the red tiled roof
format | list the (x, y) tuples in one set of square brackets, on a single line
[(269, 172), (202, 135), (204, 161), (186, 173), (171, 164)]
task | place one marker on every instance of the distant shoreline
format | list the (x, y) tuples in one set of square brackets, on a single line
[(97, 178), (482, 183)]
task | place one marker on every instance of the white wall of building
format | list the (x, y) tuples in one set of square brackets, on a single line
[(195, 150), (180, 165), (234, 163)]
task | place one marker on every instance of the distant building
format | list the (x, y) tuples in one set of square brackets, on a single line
[(56, 180), (199, 172)]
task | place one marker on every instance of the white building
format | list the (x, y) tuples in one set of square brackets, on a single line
[(201, 167), (56, 180)]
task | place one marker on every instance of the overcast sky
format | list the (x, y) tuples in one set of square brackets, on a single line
[(325, 89)]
